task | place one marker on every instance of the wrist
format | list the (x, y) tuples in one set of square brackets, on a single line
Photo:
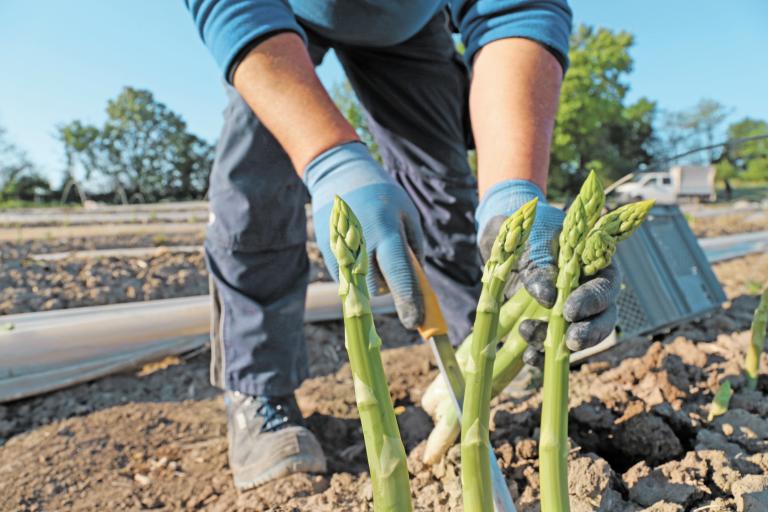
[(303, 157), (343, 167)]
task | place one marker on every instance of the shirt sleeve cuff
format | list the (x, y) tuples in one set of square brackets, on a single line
[(547, 22), (230, 28)]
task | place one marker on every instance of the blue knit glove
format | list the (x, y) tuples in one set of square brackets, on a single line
[(536, 268), (389, 219)]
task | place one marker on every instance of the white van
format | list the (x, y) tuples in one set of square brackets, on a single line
[(682, 181)]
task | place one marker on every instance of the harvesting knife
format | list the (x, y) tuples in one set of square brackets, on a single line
[(434, 331)]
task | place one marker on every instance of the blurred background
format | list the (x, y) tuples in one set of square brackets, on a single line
[(86, 85)]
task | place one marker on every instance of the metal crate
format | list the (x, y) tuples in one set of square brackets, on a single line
[(667, 279)]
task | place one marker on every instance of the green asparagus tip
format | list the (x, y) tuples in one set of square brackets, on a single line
[(510, 241), (592, 197), (346, 233), (598, 251), (623, 221), (575, 228)]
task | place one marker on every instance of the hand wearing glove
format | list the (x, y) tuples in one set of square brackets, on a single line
[(591, 308), (390, 222)]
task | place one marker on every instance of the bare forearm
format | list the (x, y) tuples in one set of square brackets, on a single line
[(513, 101), (278, 81)]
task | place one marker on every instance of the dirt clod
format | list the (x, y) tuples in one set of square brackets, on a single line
[(751, 493)]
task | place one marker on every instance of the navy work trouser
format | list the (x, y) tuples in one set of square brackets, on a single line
[(415, 99)]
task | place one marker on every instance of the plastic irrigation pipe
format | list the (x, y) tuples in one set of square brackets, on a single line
[(720, 248), (50, 350), (55, 349)]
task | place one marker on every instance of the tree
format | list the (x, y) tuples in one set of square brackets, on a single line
[(80, 143), (692, 128), (143, 149), (703, 120), (18, 177), (746, 160), (594, 128)]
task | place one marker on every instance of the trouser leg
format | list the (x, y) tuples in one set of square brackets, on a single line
[(415, 98), (256, 254)]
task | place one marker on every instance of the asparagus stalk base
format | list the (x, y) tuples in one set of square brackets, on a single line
[(384, 449), (475, 471), (553, 440)]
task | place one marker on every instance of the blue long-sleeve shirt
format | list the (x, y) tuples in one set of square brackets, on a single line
[(230, 26)]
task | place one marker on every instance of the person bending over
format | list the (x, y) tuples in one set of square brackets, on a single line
[(284, 142)]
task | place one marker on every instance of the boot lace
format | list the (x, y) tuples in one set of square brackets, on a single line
[(275, 413)]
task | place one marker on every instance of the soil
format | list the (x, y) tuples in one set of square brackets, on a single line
[(729, 224), (155, 438), (30, 285)]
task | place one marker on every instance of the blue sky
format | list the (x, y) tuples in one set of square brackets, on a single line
[(61, 60)]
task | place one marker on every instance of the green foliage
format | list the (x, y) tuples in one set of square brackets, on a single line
[(595, 129), (20, 182), (745, 160), (144, 150)]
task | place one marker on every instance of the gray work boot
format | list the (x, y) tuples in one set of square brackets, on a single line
[(268, 440)]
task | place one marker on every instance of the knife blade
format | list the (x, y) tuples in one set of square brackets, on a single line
[(434, 331)]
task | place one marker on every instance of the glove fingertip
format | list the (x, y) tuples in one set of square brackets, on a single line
[(533, 357), (544, 292), (575, 343), (410, 312), (572, 310), (533, 331), (583, 335)]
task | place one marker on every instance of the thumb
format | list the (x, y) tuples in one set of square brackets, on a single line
[(394, 263)]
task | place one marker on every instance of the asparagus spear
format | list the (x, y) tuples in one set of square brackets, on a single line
[(757, 342), (475, 469), (553, 441), (383, 446), (720, 403)]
